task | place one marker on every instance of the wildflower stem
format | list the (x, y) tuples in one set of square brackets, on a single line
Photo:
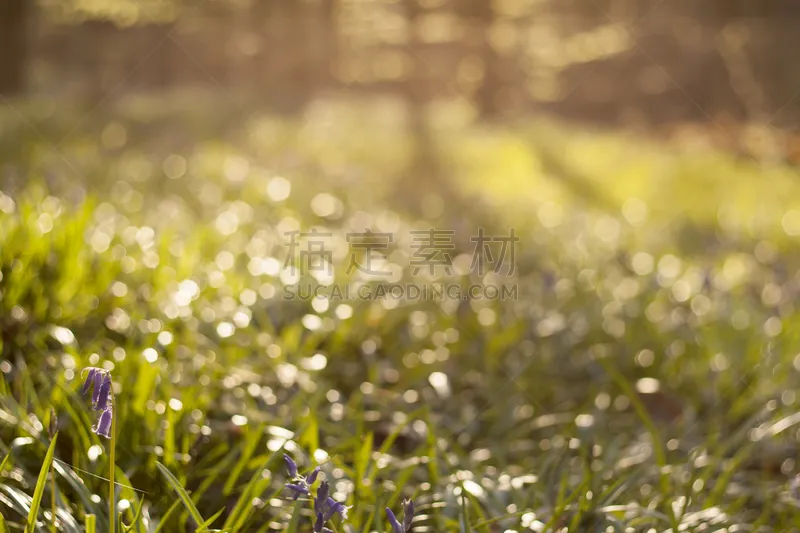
[(112, 519), (53, 499)]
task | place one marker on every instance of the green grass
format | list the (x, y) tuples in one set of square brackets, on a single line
[(636, 261)]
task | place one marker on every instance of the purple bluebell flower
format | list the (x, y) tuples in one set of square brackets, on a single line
[(299, 490), (325, 507), (298, 484), (103, 426), (99, 381), (99, 377), (408, 516), (312, 477), (322, 496), (291, 466), (396, 527), (334, 507), (319, 525), (89, 380), (105, 390)]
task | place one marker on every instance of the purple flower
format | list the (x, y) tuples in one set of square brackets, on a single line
[(396, 527), (327, 506), (322, 496), (299, 485), (103, 426), (99, 377), (408, 516), (334, 507), (99, 381), (299, 490), (105, 389), (319, 525), (89, 380), (291, 466), (312, 477)]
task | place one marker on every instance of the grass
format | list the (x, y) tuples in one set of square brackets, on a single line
[(644, 380)]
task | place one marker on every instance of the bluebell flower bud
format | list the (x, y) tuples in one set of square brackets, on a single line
[(319, 524), (396, 527), (312, 477), (332, 507), (408, 514), (321, 500), (291, 466), (299, 490)]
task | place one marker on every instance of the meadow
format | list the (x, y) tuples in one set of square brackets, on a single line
[(643, 377)]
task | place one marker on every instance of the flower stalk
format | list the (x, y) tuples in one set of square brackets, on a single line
[(101, 385), (111, 468), (52, 428), (325, 507)]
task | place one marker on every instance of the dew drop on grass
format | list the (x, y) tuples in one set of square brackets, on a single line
[(94, 452), (440, 383), (225, 329), (648, 385), (150, 355), (63, 335), (278, 189)]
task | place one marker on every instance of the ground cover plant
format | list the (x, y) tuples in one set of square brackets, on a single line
[(642, 378)]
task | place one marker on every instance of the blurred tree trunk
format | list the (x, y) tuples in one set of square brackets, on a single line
[(92, 35), (480, 16), (259, 14), (287, 48), (425, 177), (783, 77), (325, 46), (157, 67), (423, 172), (14, 24)]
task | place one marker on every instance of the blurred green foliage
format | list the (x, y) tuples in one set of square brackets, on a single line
[(644, 379)]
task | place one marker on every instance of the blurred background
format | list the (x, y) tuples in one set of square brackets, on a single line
[(661, 66)]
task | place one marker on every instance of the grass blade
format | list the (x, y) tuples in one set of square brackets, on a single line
[(295, 521), (40, 485), (249, 449), (137, 517), (182, 493), (244, 505), (91, 523), (167, 516), (465, 525), (3, 525), (205, 525)]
